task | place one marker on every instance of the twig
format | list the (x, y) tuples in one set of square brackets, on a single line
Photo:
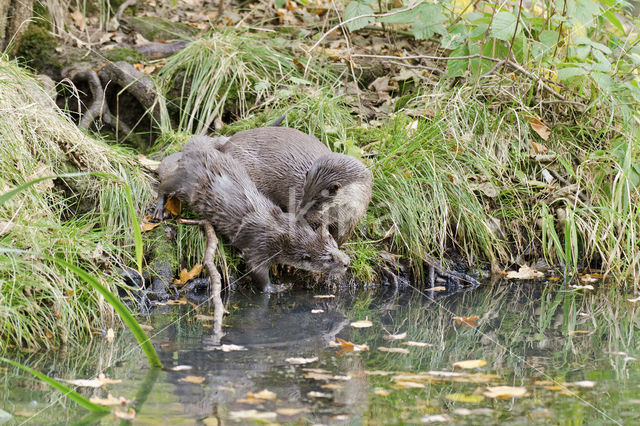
[(366, 15), (95, 87), (515, 32)]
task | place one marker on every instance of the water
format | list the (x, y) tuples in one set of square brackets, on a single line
[(541, 338)]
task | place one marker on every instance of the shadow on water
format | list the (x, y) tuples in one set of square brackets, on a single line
[(576, 355)]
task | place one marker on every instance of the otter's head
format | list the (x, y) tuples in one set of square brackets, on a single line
[(333, 180), (314, 251)]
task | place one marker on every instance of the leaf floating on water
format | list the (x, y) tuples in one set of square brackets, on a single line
[(193, 379), (436, 418), (181, 301), (582, 287), (186, 276), (300, 361), (107, 381), (474, 363), (252, 415), (324, 296), (471, 321), (85, 383), (314, 394), (332, 386), (505, 392), (381, 392), (324, 376), (524, 273), (437, 288), (109, 400), (583, 384), (378, 373), (200, 317), (347, 346), (395, 336), (291, 411), (461, 397), (227, 348), (417, 344), (317, 311), (394, 350), (181, 368), (124, 415), (361, 324), (264, 394)]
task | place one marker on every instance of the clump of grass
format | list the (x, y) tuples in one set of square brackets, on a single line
[(85, 221), (225, 72)]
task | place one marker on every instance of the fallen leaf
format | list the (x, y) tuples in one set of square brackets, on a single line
[(78, 19), (185, 275), (252, 415), (109, 400), (85, 383), (471, 321), (192, 379), (582, 287), (314, 394), (173, 206), (394, 350), (324, 296), (361, 324), (417, 344), (524, 273), (405, 384), (583, 384), (317, 311), (147, 226), (110, 335), (291, 411), (200, 317), (332, 386), (395, 336), (348, 346), (461, 397), (181, 368), (437, 288), (634, 300), (435, 418), (505, 392), (539, 127), (299, 361), (264, 394), (474, 363), (589, 278), (228, 348), (381, 392), (124, 415)]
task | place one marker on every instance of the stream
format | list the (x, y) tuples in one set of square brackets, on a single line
[(572, 355)]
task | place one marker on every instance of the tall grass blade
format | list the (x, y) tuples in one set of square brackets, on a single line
[(66, 391), (8, 195), (137, 233)]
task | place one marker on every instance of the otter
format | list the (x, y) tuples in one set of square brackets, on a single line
[(301, 175), (218, 188)]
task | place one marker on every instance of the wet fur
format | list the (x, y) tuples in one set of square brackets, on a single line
[(218, 188)]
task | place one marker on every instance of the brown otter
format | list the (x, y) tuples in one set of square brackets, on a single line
[(218, 188), (302, 175)]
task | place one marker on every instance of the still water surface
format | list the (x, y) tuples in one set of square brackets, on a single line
[(575, 354)]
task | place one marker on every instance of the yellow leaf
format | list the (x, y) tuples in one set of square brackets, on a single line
[(395, 336), (324, 296), (381, 392), (505, 392), (263, 394), (394, 350), (124, 415), (173, 206), (332, 386), (291, 411), (147, 226), (417, 344), (188, 275), (348, 346), (301, 360), (361, 324), (461, 397), (471, 321), (474, 363), (193, 379), (524, 273)]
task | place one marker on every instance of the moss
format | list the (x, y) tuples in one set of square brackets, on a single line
[(41, 13), (122, 54), (37, 48)]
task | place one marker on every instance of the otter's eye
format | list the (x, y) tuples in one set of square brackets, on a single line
[(334, 188)]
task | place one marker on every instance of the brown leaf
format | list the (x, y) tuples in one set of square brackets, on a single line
[(394, 350), (188, 275), (348, 346), (524, 273), (78, 19), (540, 128), (147, 226), (538, 148), (474, 363), (124, 415), (173, 206), (300, 361), (109, 400), (471, 321), (192, 379), (505, 392)]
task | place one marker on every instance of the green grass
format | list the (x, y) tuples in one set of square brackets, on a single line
[(85, 220)]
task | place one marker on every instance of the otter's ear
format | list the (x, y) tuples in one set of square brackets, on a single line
[(333, 188)]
